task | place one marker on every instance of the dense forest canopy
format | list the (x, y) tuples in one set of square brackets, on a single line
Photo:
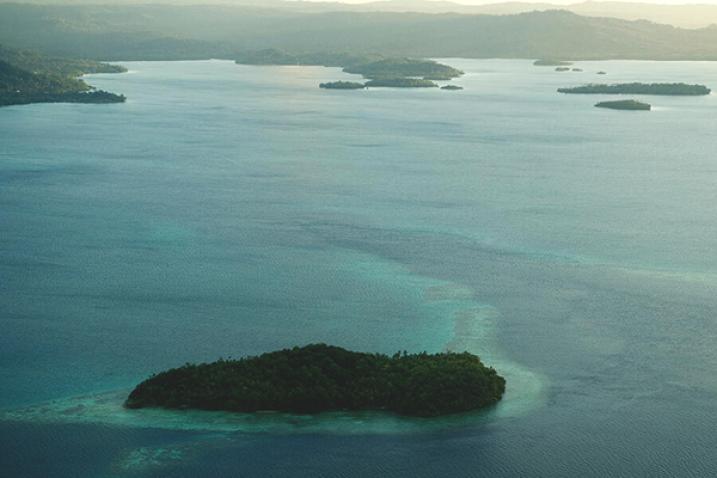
[(142, 32), (319, 377)]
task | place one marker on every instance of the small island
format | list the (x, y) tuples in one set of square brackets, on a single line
[(451, 87), (632, 105), (562, 68), (548, 62), (673, 89), (401, 83), (602, 73), (342, 85), (320, 378), (577, 69)]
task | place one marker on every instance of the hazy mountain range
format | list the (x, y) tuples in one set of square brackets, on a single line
[(128, 32), (686, 16)]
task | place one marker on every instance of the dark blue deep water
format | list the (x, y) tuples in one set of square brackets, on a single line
[(227, 210)]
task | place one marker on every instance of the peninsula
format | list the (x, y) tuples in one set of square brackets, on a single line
[(27, 77), (320, 378), (676, 89)]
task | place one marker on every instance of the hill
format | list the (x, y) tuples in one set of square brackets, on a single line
[(139, 32)]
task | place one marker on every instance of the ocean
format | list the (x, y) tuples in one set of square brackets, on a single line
[(230, 210)]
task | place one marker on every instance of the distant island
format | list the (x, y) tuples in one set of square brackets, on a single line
[(562, 68), (625, 105), (319, 378), (640, 89), (27, 77), (451, 87), (342, 85), (551, 63), (395, 72), (401, 83), (391, 68)]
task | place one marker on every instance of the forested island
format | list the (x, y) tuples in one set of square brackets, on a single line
[(677, 89), (401, 83), (27, 77), (319, 378), (451, 87), (390, 68), (633, 105), (381, 71), (342, 85)]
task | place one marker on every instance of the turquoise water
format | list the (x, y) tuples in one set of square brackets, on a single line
[(227, 210)]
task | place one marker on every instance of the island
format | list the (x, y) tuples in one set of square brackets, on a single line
[(602, 73), (397, 72), (577, 69), (451, 87), (676, 89), (342, 85), (625, 105), (391, 68), (320, 378), (562, 68), (27, 77), (547, 62), (401, 83)]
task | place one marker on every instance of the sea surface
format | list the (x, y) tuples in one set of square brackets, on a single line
[(227, 210)]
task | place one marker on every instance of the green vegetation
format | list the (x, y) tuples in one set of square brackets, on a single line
[(640, 89), (401, 83), (392, 68), (625, 105), (171, 32), (602, 73), (562, 68), (318, 378), (342, 85), (382, 72), (451, 87), (27, 77), (551, 63)]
